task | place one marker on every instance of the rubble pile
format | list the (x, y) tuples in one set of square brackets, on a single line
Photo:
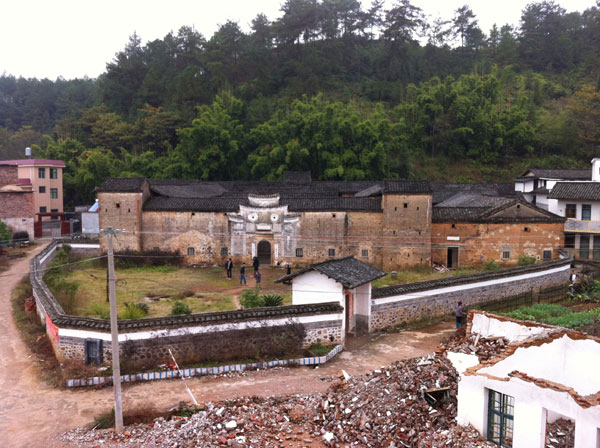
[(484, 348), (412, 403), (560, 434)]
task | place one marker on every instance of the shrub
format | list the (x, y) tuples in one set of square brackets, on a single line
[(101, 310), (180, 307), (134, 311), (525, 260), (319, 349), (491, 265), (251, 299), (272, 300), (4, 234)]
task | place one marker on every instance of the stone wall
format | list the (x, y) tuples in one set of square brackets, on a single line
[(406, 303), (201, 336), (479, 242)]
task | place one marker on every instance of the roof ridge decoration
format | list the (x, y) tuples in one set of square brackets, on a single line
[(263, 200)]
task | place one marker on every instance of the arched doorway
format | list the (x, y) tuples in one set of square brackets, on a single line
[(263, 251)]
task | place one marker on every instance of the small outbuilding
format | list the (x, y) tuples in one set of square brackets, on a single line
[(545, 374), (344, 280)]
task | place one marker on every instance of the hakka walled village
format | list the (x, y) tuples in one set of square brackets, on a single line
[(318, 268)]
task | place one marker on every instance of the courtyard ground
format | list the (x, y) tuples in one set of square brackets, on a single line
[(203, 289), (33, 414)]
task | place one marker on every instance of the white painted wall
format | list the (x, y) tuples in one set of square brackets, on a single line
[(489, 326), (531, 403), (559, 207), (560, 361), (200, 329), (314, 287), (362, 302), (497, 282)]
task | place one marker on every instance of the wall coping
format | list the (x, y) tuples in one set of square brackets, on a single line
[(59, 318), (395, 290)]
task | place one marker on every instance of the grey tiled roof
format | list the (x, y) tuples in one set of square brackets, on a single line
[(557, 174), (441, 192), (231, 204), (296, 177), (121, 185), (474, 200), (371, 191), (576, 190), (459, 214), (348, 271), (407, 186)]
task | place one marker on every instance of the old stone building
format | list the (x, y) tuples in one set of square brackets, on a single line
[(471, 228), (299, 221), (296, 221)]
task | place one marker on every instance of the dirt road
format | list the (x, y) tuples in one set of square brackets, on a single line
[(32, 413)]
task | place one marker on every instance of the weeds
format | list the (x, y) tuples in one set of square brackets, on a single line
[(180, 307), (555, 315)]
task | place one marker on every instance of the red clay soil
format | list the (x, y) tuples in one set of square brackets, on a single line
[(32, 413)]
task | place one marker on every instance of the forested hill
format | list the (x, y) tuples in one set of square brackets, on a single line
[(348, 91)]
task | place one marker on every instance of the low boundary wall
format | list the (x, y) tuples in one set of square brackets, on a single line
[(396, 305), (149, 339), (200, 371)]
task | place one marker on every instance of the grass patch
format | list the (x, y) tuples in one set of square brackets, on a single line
[(554, 314), (420, 274), (319, 349)]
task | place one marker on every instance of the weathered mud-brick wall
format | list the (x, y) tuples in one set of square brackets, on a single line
[(323, 235), (201, 237), (9, 175), (122, 211), (396, 305), (479, 242), (406, 235)]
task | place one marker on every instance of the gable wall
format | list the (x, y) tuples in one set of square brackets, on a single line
[(480, 242)]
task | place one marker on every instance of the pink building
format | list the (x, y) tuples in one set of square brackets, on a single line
[(46, 180)]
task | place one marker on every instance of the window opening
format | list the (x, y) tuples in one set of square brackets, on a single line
[(500, 418)]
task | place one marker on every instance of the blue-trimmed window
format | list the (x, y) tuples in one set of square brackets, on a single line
[(501, 410)]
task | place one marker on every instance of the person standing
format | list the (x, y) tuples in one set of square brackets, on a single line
[(243, 274), (257, 277), (288, 269), (255, 264), (229, 268), (459, 314)]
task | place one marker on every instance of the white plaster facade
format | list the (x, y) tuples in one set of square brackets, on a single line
[(564, 368)]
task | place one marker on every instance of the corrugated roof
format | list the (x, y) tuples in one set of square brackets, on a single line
[(576, 190), (474, 200), (348, 271)]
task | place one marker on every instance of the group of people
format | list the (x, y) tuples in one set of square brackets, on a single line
[(255, 265)]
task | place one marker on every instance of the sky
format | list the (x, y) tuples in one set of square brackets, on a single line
[(77, 38)]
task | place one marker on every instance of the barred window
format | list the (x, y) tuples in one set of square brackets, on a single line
[(299, 252), (365, 253), (191, 251), (224, 251)]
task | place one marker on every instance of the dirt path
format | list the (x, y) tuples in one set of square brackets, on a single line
[(32, 414)]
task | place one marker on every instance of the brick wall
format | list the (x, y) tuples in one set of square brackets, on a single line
[(479, 242), (16, 210), (9, 175)]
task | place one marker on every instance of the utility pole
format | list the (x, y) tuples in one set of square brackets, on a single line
[(114, 332)]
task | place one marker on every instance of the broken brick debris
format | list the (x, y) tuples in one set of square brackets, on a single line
[(385, 408)]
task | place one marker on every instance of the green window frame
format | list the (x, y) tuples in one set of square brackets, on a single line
[(586, 212), (41, 173), (53, 173), (501, 410), (53, 193)]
